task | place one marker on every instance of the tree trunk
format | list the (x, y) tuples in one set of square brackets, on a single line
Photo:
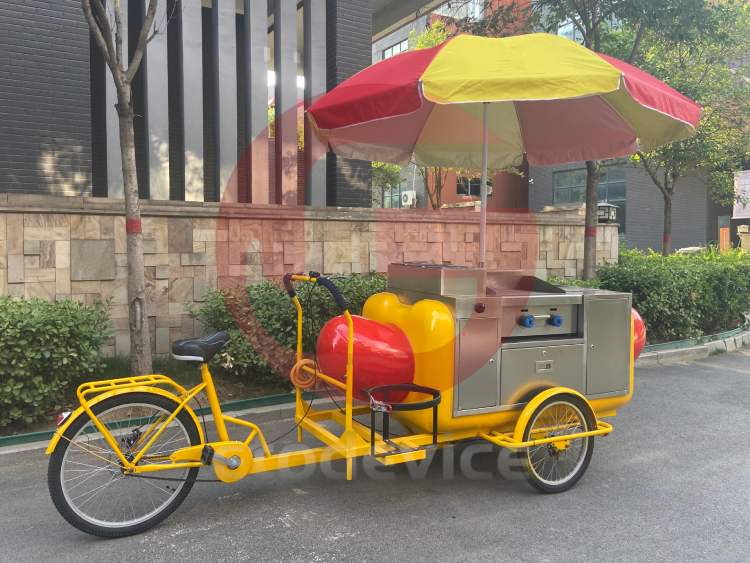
[(589, 234), (439, 181), (140, 338), (666, 240), (433, 175)]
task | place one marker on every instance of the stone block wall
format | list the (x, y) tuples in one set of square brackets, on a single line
[(67, 247)]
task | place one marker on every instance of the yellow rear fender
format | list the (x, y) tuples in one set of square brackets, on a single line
[(533, 404), (113, 393)]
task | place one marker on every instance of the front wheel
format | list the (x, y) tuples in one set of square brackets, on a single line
[(556, 467), (85, 477)]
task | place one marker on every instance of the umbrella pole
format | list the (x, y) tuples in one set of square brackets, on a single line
[(483, 187)]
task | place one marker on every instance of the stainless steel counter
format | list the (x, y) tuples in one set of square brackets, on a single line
[(516, 333)]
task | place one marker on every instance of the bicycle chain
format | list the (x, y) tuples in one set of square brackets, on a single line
[(171, 478)]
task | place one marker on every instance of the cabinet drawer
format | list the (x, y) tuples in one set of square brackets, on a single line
[(523, 370)]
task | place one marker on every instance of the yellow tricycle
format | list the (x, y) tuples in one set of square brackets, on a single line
[(449, 353)]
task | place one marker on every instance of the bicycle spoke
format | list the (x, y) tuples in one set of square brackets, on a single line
[(95, 487), (556, 462)]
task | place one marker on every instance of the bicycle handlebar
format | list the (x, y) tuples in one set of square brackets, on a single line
[(287, 279), (337, 297), (315, 277)]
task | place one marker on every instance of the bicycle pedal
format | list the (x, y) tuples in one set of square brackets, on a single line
[(207, 455)]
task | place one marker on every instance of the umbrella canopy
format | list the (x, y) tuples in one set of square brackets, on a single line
[(552, 100), (484, 102)]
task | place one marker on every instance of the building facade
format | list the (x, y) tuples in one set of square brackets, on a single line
[(640, 204), (201, 97)]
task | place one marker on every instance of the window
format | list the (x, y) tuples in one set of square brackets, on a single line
[(570, 188), (392, 196), (742, 191), (399, 47), (471, 186), (460, 9), (570, 30)]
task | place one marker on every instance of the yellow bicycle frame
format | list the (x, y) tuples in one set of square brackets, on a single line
[(353, 442), (89, 394)]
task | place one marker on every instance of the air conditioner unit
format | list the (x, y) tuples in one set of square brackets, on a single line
[(409, 198)]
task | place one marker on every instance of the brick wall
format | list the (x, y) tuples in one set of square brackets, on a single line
[(45, 111), (68, 247)]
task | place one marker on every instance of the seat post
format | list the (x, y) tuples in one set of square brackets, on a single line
[(213, 402)]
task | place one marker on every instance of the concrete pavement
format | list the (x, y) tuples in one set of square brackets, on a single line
[(670, 483)]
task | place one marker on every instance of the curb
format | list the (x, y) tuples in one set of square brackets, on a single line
[(681, 354), (263, 409)]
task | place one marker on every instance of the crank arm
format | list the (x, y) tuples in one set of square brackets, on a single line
[(209, 455)]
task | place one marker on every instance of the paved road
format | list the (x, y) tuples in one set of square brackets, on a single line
[(671, 483)]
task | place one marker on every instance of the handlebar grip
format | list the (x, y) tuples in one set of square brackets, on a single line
[(329, 285), (288, 285)]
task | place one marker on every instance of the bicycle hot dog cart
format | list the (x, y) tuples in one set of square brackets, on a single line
[(458, 353), (451, 353)]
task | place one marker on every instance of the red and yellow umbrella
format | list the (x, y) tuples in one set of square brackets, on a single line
[(484, 102)]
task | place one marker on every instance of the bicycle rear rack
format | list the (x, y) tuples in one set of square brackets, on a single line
[(385, 407), (96, 387)]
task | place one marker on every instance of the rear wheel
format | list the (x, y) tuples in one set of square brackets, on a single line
[(85, 477), (556, 467)]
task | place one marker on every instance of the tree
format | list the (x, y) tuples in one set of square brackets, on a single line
[(434, 176), (107, 30), (497, 20), (434, 34), (385, 178), (703, 65), (300, 125)]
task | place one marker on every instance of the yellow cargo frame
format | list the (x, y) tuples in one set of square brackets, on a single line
[(353, 442)]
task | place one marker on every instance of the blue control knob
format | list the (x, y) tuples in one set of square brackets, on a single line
[(556, 320), (526, 320)]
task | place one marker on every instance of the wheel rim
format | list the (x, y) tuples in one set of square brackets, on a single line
[(551, 464), (91, 478)]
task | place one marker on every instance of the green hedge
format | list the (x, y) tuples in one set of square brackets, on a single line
[(276, 314), (681, 295), (46, 347)]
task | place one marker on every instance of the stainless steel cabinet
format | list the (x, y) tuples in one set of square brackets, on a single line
[(527, 369), (607, 326), (477, 384)]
